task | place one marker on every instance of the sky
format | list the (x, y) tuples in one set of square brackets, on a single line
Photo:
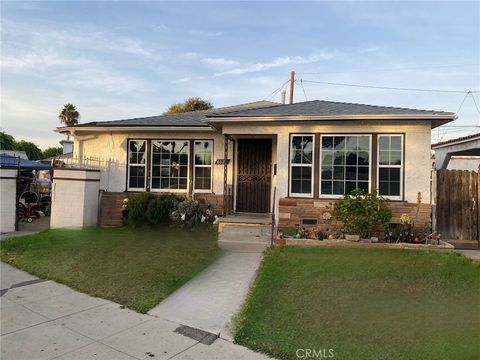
[(117, 60)]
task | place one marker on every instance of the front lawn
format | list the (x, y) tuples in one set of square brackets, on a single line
[(137, 268), (363, 304)]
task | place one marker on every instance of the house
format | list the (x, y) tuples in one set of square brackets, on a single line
[(462, 153), (262, 157)]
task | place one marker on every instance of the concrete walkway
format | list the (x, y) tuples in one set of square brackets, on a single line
[(45, 320), (471, 254), (209, 301), (26, 228)]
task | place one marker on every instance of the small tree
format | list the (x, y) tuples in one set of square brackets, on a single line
[(33, 151), (69, 115), (52, 151), (360, 212), (7, 142), (191, 104)]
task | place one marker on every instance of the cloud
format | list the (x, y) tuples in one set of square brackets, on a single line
[(189, 79), (206, 33), (278, 62), (220, 63)]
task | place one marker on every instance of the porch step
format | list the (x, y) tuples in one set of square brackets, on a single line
[(244, 237)]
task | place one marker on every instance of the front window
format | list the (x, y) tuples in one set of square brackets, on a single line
[(136, 164), (202, 166), (301, 165), (390, 159), (345, 164), (170, 165)]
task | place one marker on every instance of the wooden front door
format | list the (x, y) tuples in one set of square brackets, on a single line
[(254, 175)]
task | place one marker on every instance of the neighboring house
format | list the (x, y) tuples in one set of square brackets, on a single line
[(299, 156), (16, 153), (462, 153)]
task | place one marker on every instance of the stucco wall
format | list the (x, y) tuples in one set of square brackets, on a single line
[(8, 188), (417, 148), (114, 147), (74, 198)]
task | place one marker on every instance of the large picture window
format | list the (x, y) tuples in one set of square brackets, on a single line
[(345, 164), (136, 164), (301, 165), (170, 165), (390, 162), (202, 167)]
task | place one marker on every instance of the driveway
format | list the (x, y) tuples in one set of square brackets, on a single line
[(45, 320)]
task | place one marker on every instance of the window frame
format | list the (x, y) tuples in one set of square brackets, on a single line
[(401, 166), (144, 165), (152, 189), (209, 190), (290, 165), (335, 196)]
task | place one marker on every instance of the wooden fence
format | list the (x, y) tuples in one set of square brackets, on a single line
[(457, 213)]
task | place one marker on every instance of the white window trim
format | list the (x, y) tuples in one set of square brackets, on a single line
[(400, 197), (203, 191), (334, 196), (312, 165), (151, 168), (129, 164)]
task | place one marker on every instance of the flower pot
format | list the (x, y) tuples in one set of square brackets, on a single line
[(281, 242), (350, 237)]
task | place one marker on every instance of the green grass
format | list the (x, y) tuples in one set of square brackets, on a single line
[(364, 304), (137, 268)]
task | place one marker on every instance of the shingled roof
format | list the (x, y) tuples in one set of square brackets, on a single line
[(326, 108), (188, 119), (259, 109)]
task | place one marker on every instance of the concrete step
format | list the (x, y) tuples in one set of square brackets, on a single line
[(243, 246), (244, 232)]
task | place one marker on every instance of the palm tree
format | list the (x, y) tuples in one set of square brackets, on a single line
[(69, 115)]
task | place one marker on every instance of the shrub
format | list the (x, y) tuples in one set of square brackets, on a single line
[(148, 209), (360, 212), (190, 213), (159, 209)]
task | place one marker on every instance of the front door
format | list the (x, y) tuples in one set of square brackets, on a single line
[(254, 175)]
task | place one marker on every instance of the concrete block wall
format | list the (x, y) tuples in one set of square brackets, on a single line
[(8, 190), (75, 198)]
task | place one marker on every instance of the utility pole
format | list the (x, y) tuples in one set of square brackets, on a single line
[(292, 82)]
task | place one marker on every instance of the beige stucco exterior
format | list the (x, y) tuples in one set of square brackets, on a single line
[(112, 146), (8, 190)]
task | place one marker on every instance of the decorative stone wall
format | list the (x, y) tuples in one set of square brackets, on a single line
[(292, 211)]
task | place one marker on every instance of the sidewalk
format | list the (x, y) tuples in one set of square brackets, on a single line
[(45, 320)]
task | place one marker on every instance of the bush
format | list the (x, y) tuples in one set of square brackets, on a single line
[(159, 209), (148, 209), (190, 213), (360, 212)]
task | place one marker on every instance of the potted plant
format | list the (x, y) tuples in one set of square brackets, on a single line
[(360, 212)]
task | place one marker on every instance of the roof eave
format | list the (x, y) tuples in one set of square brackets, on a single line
[(73, 129)]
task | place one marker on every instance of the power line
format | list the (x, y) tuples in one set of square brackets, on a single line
[(303, 89), (277, 90), (392, 88), (388, 69), (475, 102)]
